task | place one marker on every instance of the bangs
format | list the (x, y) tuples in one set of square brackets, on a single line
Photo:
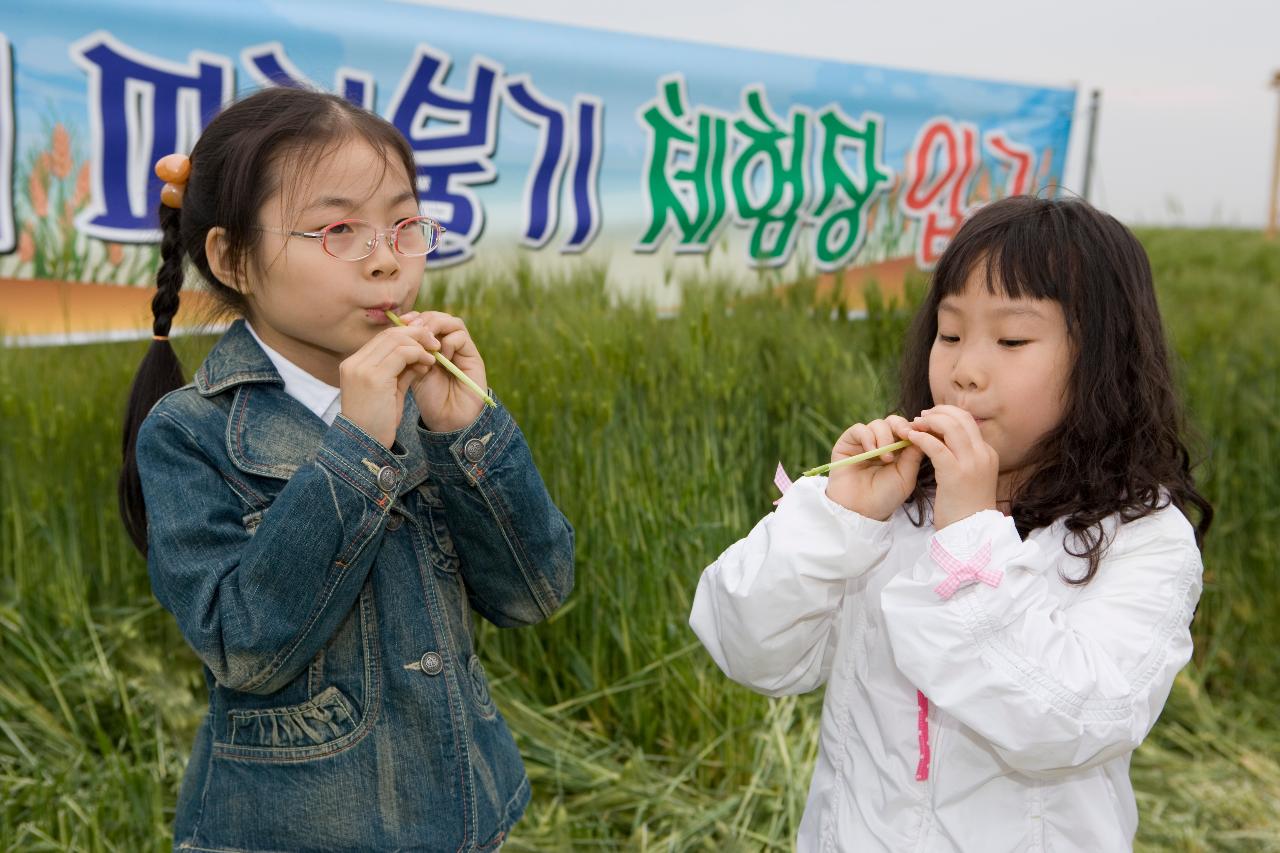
[(293, 168), (296, 169), (1024, 248)]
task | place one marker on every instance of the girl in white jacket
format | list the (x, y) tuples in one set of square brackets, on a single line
[(998, 610)]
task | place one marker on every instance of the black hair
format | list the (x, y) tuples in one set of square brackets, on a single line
[(237, 164), (1119, 448)]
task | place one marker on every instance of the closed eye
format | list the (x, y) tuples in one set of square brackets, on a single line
[(1013, 343), (948, 339)]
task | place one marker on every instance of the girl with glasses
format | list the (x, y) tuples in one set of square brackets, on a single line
[(323, 506)]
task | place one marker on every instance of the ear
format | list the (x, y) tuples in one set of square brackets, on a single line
[(215, 251)]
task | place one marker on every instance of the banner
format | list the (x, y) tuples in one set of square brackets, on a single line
[(535, 143)]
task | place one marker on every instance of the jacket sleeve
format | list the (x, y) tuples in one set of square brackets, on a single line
[(515, 546), (767, 608), (1054, 687), (257, 606)]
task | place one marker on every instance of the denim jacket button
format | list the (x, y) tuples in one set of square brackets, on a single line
[(394, 522), (388, 478), (473, 450), (432, 663)]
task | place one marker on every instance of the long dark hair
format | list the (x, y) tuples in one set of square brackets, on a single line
[(249, 151), (1119, 448)]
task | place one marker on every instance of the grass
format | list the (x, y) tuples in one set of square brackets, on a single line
[(633, 738)]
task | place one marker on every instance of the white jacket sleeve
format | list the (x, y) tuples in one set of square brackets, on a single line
[(1053, 688), (766, 608)]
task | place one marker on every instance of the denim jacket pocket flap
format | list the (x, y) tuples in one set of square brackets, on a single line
[(312, 728)]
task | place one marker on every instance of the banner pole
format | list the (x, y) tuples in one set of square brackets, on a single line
[(1272, 225), (1094, 97)]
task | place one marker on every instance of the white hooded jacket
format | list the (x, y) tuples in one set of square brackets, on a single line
[(975, 700)]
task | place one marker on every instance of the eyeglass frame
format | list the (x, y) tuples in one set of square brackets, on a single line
[(378, 233)]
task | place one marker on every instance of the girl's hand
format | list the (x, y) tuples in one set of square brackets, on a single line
[(445, 403), (966, 467), (374, 379), (877, 487)]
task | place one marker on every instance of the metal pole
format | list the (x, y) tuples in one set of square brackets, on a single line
[(1094, 98), (1272, 225)]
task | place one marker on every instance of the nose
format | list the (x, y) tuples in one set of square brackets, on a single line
[(968, 372), (382, 262)]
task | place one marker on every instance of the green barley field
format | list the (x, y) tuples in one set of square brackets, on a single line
[(658, 438)]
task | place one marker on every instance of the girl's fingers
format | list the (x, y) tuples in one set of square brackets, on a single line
[(898, 425), (861, 438), (866, 438), (458, 343), (424, 336), (966, 422), (403, 356), (439, 323), (909, 464), (945, 425), (883, 436), (376, 350), (932, 447), (848, 444)]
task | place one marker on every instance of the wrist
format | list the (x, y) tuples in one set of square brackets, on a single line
[(453, 422), (946, 516), (849, 502), (462, 415)]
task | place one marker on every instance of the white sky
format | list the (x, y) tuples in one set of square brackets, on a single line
[(1188, 120)]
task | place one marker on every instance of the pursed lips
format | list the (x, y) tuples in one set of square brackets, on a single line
[(981, 419)]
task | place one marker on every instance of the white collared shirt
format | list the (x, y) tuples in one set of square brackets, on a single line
[(320, 397)]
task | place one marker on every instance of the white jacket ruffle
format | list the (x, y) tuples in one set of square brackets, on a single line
[(1035, 691)]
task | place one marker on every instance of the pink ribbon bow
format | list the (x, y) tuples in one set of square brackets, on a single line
[(963, 573), (782, 481)]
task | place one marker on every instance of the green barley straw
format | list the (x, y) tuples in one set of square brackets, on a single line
[(451, 367), (861, 457)]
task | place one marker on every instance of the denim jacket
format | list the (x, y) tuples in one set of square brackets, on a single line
[(326, 582)]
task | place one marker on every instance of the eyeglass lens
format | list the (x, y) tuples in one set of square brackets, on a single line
[(354, 239)]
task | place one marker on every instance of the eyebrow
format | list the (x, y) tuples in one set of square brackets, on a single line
[(1008, 311), (338, 201)]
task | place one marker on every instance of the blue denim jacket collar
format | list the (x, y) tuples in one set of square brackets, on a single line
[(256, 443)]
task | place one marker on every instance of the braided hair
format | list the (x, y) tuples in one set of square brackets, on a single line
[(248, 152)]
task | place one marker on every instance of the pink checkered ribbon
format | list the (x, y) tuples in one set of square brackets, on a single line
[(963, 573), (782, 481)]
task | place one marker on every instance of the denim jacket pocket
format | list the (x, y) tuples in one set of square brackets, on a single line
[(344, 687), (319, 727), (325, 718)]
